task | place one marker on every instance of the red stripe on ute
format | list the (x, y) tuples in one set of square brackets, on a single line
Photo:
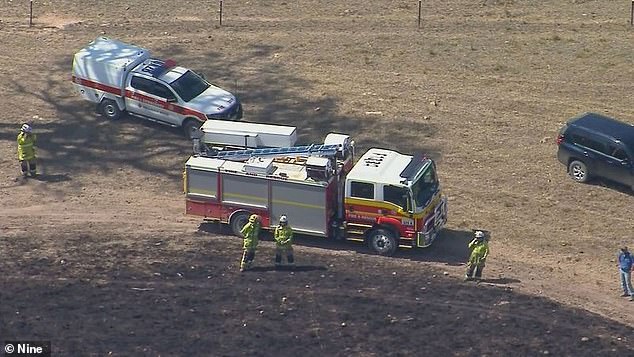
[(96, 85)]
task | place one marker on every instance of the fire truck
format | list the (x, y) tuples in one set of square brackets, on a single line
[(386, 199)]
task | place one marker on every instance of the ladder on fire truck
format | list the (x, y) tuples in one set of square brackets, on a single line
[(305, 150)]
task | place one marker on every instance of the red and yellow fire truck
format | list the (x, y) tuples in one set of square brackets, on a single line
[(385, 199)]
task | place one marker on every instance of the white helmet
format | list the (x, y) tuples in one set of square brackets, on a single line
[(283, 219), (479, 234), (26, 128)]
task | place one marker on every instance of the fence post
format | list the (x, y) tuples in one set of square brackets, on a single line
[(632, 14), (420, 5), (221, 12), (30, 13)]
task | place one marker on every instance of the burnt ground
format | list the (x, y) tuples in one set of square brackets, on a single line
[(98, 257), (184, 295)]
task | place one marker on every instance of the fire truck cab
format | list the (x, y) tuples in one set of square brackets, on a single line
[(394, 199)]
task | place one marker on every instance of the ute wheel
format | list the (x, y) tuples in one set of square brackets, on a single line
[(238, 221), (578, 171), (382, 241), (191, 128), (110, 109)]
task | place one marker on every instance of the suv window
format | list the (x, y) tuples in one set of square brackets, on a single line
[(589, 143), (362, 190), (617, 152)]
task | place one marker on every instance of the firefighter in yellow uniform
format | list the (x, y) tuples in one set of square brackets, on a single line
[(26, 151), (479, 251), (250, 232), (284, 242)]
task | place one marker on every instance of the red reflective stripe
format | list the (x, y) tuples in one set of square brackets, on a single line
[(140, 97), (165, 105), (187, 111), (97, 85)]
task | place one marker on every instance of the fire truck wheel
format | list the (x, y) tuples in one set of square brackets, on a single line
[(190, 127), (382, 241), (110, 109), (238, 221)]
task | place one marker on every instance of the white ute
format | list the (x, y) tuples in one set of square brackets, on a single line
[(122, 77)]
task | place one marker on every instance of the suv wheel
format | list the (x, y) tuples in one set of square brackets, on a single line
[(578, 171)]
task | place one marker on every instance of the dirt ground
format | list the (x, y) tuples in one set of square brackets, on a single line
[(98, 257)]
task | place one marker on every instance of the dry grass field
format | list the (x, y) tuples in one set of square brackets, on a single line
[(98, 257)]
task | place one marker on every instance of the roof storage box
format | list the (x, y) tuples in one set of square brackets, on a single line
[(251, 135)]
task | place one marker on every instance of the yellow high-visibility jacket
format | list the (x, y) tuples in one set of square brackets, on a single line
[(26, 146), (479, 252), (283, 236), (250, 231)]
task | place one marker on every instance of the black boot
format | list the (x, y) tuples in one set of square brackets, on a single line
[(32, 170)]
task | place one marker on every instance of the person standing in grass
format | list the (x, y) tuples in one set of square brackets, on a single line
[(284, 242), (479, 251), (626, 262), (250, 232), (26, 151)]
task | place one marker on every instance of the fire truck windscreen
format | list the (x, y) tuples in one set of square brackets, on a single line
[(189, 86), (426, 187)]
